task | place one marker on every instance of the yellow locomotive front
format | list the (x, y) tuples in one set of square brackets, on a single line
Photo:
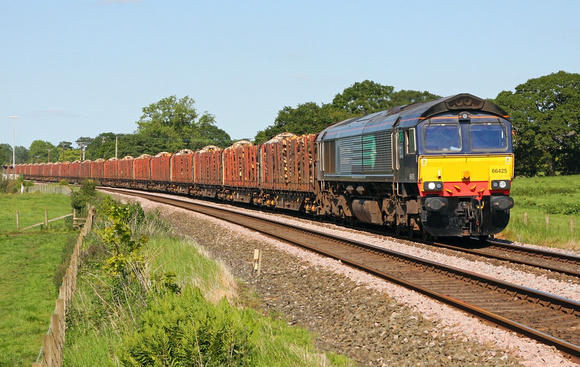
[(465, 170)]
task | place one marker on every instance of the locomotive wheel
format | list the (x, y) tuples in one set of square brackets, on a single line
[(397, 228), (426, 236), (410, 233)]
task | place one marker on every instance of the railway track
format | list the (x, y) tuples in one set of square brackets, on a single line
[(547, 318), (542, 259)]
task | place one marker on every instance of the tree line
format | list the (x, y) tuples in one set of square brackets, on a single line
[(545, 113)]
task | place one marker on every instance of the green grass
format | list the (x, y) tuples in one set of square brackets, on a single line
[(559, 198), (31, 207), (29, 262)]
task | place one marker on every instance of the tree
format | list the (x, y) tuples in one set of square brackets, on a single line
[(207, 133), (359, 99), (171, 125), (364, 98), (368, 97), (545, 113), (22, 155), (406, 97), (40, 151), (306, 118), (103, 146), (5, 154)]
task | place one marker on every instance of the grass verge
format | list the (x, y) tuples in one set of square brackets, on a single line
[(170, 304)]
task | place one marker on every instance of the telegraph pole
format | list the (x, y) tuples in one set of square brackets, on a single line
[(82, 145), (13, 143)]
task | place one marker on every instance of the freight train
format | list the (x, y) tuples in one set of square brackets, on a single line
[(438, 168)]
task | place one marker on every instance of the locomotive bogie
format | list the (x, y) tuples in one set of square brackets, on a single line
[(465, 216)]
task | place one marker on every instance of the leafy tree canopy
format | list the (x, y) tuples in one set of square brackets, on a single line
[(173, 124), (306, 118), (5, 154), (22, 155), (368, 97), (364, 98), (545, 113), (102, 146), (359, 99), (41, 150)]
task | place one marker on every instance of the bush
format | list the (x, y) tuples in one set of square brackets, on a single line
[(186, 330), (10, 186), (86, 194), (562, 208)]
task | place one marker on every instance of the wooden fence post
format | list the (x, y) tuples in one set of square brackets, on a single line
[(17, 221), (56, 335), (571, 224), (526, 218), (47, 350), (46, 218), (61, 310), (53, 341)]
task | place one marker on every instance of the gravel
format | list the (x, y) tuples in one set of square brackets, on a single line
[(353, 313)]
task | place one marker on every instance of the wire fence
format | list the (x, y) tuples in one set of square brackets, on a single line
[(51, 353), (534, 226), (49, 189)]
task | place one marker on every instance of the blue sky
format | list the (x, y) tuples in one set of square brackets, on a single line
[(80, 68)]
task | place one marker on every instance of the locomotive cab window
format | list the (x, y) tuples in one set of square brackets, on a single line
[(442, 137), (488, 136)]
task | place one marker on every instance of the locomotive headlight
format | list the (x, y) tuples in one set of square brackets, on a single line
[(500, 184), (433, 186)]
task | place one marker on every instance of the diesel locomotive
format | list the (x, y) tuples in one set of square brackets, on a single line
[(442, 168), (438, 168)]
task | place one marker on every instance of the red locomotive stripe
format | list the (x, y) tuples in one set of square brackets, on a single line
[(463, 189)]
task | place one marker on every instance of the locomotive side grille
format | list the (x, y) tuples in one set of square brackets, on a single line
[(362, 155), (350, 155), (381, 162), (329, 157)]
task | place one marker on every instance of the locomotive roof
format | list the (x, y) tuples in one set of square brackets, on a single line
[(410, 115)]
